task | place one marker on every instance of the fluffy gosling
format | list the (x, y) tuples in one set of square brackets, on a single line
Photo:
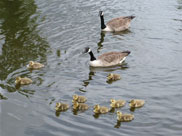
[(100, 109), (117, 103), (34, 65), (124, 117), (113, 77), (23, 81), (80, 106), (136, 103), (80, 99), (61, 106)]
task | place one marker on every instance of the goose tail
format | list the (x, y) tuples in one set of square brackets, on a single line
[(130, 17), (126, 53)]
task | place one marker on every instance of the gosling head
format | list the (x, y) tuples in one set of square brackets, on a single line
[(58, 104), (113, 101), (119, 113), (97, 107), (75, 97), (18, 79), (75, 105), (31, 63), (110, 76)]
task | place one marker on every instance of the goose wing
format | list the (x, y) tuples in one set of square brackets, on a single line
[(113, 57), (120, 23)]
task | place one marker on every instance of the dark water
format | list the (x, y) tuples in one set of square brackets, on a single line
[(55, 34)]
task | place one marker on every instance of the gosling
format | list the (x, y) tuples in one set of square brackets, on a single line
[(100, 109), (113, 77), (35, 65), (124, 117), (80, 99), (136, 103), (23, 81), (61, 106), (117, 103), (80, 106)]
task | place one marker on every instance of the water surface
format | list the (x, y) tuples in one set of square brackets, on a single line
[(55, 34)]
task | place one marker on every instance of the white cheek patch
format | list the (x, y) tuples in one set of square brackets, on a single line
[(102, 14), (89, 50)]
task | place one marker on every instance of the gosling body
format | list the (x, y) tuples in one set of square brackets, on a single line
[(136, 103), (80, 106), (23, 81), (100, 109), (61, 106), (113, 77), (124, 117), (117, 103), (35, 65), (79, 99)]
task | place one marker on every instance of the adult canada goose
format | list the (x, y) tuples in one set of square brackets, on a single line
[(116, 24), (107, 59)]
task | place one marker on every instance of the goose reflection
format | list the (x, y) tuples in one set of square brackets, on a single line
[(102, 35), (87, 81)]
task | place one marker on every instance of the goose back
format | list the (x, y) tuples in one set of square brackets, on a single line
[(112, 58), (120, 23)]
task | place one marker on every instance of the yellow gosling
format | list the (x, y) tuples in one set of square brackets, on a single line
[(80, 106), (100, 109), (124, 117), (80, 99), (136, 103), (35, 65), (117, 103), (23, 81), (61, 106)]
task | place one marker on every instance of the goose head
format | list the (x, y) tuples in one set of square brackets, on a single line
[(101, 13), (31, 63), (87, 50)]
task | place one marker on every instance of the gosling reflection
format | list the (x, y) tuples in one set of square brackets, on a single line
[(102, 35), (118, 124)]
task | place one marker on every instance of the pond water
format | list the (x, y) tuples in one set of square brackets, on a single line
[(55, 34)]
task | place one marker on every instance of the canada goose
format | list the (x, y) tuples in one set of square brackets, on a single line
[(61, 106), (80, 106), (100, 109), (23, 81), (116, 24), (107, 59), (136, 103), (113, 77), (124, 117), (117, 103), (35, 65), (80, 99)]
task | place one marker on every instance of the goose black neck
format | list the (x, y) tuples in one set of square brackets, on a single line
[(92, 58), (102, 22)]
